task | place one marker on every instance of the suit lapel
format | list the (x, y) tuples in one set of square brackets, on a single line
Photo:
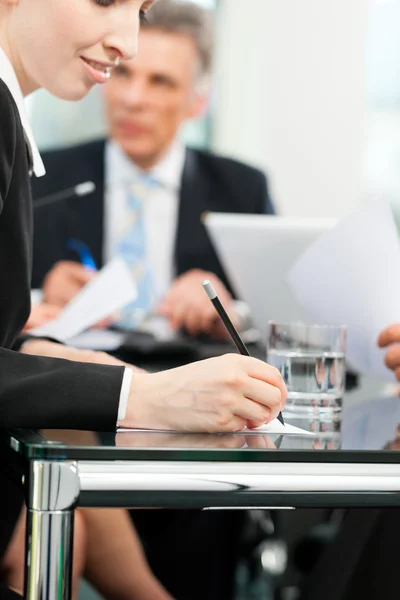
[(89, 211), (201, 191), (194, 195)]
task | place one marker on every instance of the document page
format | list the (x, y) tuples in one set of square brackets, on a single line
[(274, 427), (111, 289), (350, 276)]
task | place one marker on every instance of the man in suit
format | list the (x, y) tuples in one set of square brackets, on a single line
[(147, 100)]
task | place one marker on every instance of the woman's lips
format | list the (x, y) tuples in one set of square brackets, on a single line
[(99, 72)]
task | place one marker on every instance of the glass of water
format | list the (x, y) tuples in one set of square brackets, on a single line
[(311, 359)]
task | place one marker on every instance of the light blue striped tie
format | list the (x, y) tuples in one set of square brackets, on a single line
[(132, 248)]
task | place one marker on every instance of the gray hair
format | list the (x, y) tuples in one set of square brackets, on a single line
[(185, 18)]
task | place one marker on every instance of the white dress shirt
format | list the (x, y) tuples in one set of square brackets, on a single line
[(161, 211), (160, 208), (8, 75)]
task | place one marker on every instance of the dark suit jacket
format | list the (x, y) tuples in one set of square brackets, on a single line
[(35, 392), (209, 183)]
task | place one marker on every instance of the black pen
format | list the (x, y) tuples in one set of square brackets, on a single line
[(237, 340)]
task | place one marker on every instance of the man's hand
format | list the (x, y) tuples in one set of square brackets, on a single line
[(390, 336), (45, 348), (64, 281), (219, 394), (187, 306), (41, 314)]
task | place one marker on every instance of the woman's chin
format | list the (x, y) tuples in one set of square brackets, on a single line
[(72, 92)]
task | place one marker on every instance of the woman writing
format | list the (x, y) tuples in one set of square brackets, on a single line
[(66, 47)]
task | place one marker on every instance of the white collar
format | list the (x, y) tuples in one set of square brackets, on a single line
[(7, 74), (121, 169)]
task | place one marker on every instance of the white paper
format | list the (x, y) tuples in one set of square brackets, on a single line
[(349, 276), (97, 339), (159, 327), (274, 427), (111, 289)]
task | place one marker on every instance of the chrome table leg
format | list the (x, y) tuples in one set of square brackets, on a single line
[(53, 490)]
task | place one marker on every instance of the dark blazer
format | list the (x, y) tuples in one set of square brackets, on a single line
[(209, 183), (35, 392)]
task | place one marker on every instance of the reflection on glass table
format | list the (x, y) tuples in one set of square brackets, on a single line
[(371, 425), (353, 464)]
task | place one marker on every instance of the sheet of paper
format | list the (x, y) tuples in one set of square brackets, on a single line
[(97, 339), (274, 427), (112, 289), (160, 328), (349, 276)]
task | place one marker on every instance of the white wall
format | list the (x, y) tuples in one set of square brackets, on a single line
[(290, 97), (382, 145)]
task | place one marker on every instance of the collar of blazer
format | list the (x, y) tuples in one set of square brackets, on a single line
[(7, 74)]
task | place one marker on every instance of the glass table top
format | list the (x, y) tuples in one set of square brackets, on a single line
[(369, 433)]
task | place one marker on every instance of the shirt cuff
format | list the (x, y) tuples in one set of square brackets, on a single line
[(123, 397), (36, 296)]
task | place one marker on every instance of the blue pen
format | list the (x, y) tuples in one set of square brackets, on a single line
[(85, 255)]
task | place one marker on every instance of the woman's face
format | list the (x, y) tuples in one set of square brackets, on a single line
[(67, 46)]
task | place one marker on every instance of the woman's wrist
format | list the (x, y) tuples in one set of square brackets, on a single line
[(40, 347), (132, 417), (142, 403)]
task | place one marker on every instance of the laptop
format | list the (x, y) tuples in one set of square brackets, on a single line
[(257, 252)]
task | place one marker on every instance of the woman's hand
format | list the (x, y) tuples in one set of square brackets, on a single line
[(219, 394)]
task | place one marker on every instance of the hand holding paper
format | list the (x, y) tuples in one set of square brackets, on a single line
[(110, 290)]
